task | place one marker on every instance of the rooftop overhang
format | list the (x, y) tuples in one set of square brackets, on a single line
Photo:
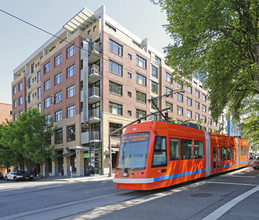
[(81, 20)]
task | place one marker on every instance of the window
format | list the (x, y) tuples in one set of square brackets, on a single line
[(71, 111), (141, 97), (70, 51), (115, 88), (115, 108), (204, 119), (21, 100), (71, 133), (204, 108), (179, 97), (179, 84), (47, 102), (169, 91), (129, 113), (58, 136), (210, 121), (129, 56), (197, 93), (14, 90), (29, 82), (113, 127), (14, 103), (223, 153), (30, 97), (71, 91), (115, 47), (204, 98), (141, 62), (179, 110), (209, 111), (198, 149), (129, 75), (189, 89), (154, 72), (197, 117), (142, 80), (58, 97), (228, 153), (154, 87), (71, 71), (197, 105), (94, 28), (140, 113), (15, 117), (186, 149), (189, 114), (115, 68), (58, 115), (47, 67), (159, 156), (48, 119), (39, 107), (39, 92), (58, 60), (129, 94), (39, 76), (168, 77), (58, 79), (47, 85), (174, 149), (20, 86), (32, 68), (170, 106)]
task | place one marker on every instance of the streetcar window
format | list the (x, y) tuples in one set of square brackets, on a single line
[(198, 149), (159, 156), (223, 153), (186, 149), (228, 153), (174, 149)]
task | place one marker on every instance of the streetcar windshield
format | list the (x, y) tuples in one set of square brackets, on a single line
[(133, 151)]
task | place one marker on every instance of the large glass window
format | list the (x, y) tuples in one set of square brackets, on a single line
[(142, 80), (71, 133), (198, 149), (154, 72), (114, 127), (159, 156), (71, 111), (47, 102), (189, 113), (179, 97), (189, 101), (189, 89), (58, 97), (47, 85), (140, 113), (186, 149), (197, 93), (170, 106), (58, 115), (223, 153), (20, 100), (141, 97), (154, 87), (58, 136), (115, 88), (71, 51), (58, 78), (197, 105), (169, 91), (115, 68), (179, 110), (174, 149), (20, 86), (115, 108), (58, 60), (168, 77), (39, 76), (133, 151), (141, 62), (47, 67), (71, 71), (39, 92), (115, 47), (228, 153), (71, 91)]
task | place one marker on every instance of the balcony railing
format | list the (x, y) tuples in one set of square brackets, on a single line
[(94, 91), (94, 136)]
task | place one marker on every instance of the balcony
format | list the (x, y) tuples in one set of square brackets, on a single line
[(95, 136), (95, 52), (84, 137), (94, 95), (94, 116), (94, 74)]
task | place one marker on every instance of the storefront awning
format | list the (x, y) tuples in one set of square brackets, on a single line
[(69, 154), (79, 148), (58, 155)]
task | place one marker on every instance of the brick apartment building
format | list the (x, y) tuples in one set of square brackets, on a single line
[(94, 78)]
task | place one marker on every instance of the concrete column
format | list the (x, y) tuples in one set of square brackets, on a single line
[(53, 173), (79, 163), (66, 164)]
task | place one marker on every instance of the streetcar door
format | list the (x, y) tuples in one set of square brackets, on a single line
[(214, 158), (218, 154)]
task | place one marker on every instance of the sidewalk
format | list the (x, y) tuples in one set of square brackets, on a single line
[(94, 177)]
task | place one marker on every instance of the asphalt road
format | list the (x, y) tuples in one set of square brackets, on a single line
[(233, 195)]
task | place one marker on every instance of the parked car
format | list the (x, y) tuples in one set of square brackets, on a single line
[(256, 163), (18, 175)]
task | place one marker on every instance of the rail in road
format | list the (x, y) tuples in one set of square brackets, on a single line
[(111, 203)]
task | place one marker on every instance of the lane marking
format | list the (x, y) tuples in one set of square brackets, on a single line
[(223, 209), (230, 183)]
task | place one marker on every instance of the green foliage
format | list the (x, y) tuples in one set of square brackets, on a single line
[(217, 39), (26, 140)]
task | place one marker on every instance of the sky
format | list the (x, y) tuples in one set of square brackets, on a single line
[(19, 40)]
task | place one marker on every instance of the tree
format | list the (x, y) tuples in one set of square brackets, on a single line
[(27, 140), (218, 39)]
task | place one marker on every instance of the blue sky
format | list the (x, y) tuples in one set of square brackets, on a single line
[(19, 40)]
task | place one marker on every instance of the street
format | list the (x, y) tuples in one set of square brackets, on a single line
[(233, 195)]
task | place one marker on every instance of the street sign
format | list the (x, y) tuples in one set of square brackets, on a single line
[(86, 155)]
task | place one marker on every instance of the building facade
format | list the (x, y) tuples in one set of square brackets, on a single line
[(94, 78)]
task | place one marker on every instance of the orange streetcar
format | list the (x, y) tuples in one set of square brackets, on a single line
[(159, 154)]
